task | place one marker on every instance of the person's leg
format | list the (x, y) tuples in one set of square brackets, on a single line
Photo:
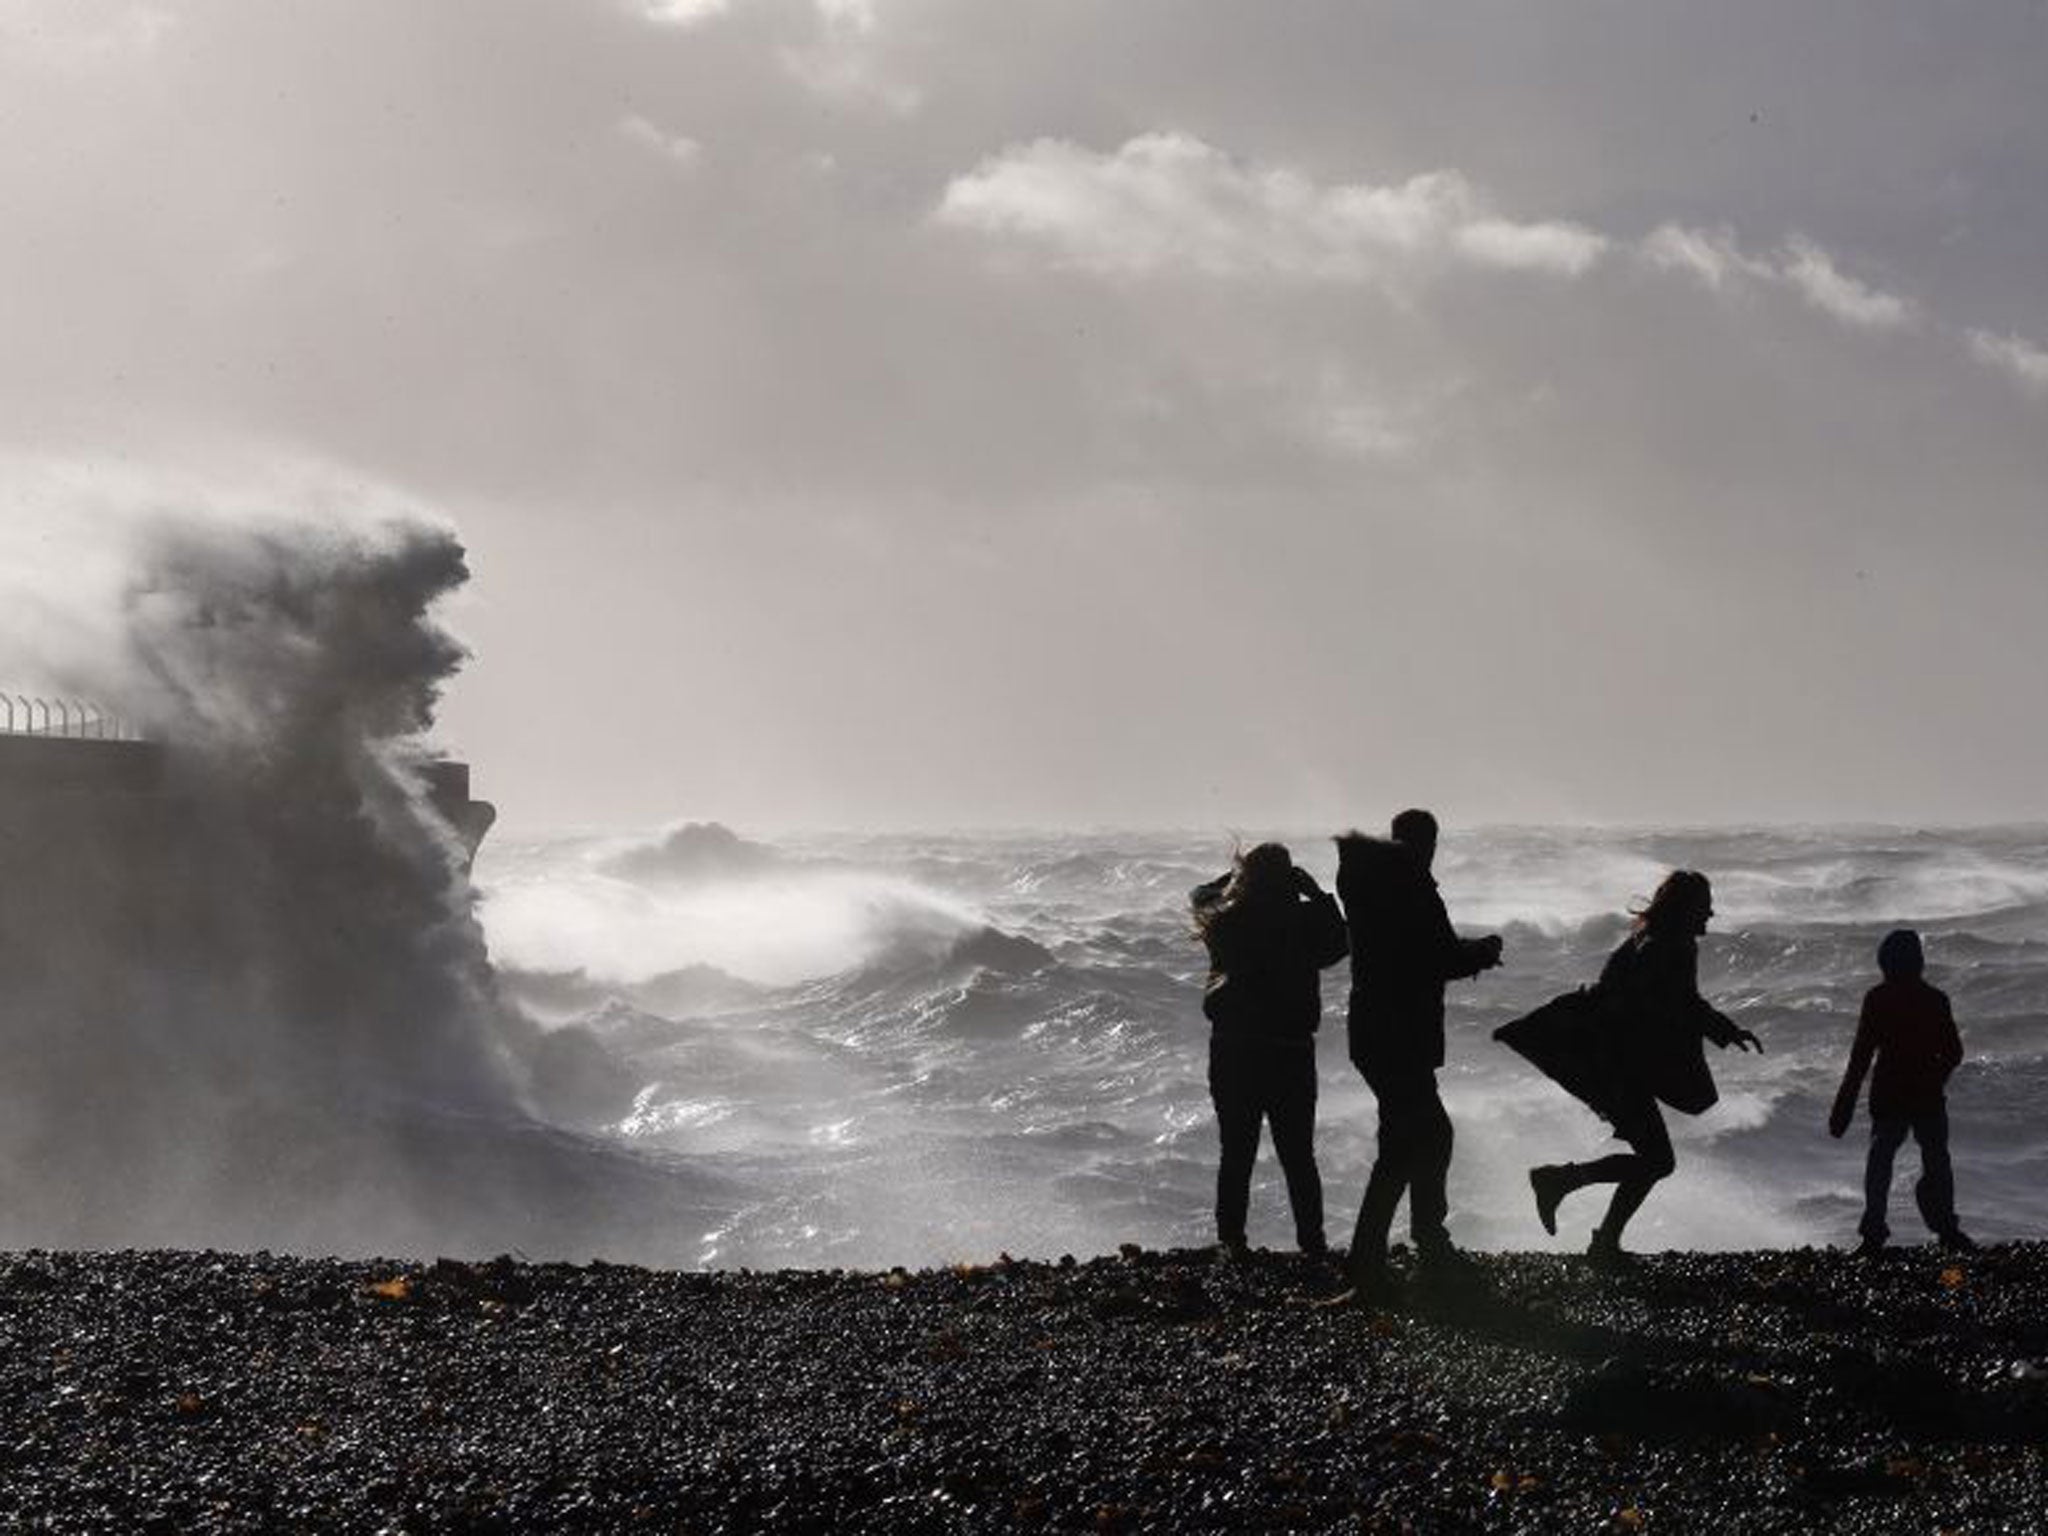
[(1384, 1186), (1291, 1107), (1551, 1182), (1429, 1202), (1885, 1137), (1935, 1191), (1237, 1123), (1651, 1158), (1611, 1169), (1641, 1118)]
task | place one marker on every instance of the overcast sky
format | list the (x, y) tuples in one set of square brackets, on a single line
[(913, 413)]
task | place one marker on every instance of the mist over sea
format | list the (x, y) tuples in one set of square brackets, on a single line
[(912, 1049)]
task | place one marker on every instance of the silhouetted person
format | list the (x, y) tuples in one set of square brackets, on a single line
[(1909, 1029), (1631, 1040), (1270, 931), (1403, 951)]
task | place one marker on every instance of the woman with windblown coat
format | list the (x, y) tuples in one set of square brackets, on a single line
[(1632, 1039)]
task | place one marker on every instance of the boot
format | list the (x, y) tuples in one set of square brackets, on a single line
[(1550, 1187), (1606, 1252)]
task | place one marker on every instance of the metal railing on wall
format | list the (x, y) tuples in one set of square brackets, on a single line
[(35, 714)]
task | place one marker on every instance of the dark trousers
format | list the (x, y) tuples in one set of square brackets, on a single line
[(1414, 1158), (1252, 1082), (1632, 1173), (1934, 1191)]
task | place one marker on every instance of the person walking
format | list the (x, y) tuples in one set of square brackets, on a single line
[(1270, 931), (1631, 1040), (1403, 953), (1909, 1030)]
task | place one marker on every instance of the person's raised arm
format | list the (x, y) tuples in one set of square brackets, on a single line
[(1712, 1022), (1481, 954), (1724, 1031), (1457, 958), (1329, 940)]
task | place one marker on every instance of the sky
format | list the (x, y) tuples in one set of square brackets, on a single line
[(928, 413)]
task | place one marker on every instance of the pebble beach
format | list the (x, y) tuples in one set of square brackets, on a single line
[(1142, 1391)]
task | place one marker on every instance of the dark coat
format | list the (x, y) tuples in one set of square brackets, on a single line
[(1403, 951), (1910, 1029), (1635, 1033), (1650, 987), (1265, 962)]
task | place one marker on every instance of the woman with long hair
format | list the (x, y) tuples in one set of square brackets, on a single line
[(1270, 931), (1632, 1040)]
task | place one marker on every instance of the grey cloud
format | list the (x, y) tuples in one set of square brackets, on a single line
[(788, 499)]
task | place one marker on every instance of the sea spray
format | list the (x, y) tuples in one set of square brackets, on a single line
[(246, 998), (293, 673)]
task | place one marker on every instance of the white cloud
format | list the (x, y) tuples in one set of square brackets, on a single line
[(1359, 423), (61, 35), (844, 61), (680, 148), (1551, 246), (859, 16), (1166, 200), (2019, 359), (1712, 258), (856, 15), (840, 67), (839, 56), (681, 13), (1827, 288)]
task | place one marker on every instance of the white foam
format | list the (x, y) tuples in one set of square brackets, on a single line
[(777, 930)]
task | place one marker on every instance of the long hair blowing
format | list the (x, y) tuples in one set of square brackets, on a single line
[(1680, 892), (1263, 872)]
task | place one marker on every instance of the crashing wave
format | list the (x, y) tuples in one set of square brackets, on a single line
[(248, 1001)]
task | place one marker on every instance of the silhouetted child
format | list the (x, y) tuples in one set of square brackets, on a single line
[(1908, 1027)]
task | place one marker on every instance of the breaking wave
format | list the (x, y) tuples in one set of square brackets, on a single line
[(248, 1001)]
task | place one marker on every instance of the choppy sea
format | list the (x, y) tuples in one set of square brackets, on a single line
[(922, 1048)]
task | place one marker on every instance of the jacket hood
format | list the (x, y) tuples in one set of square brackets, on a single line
[(1357, 850)]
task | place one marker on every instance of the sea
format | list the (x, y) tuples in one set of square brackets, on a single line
[(920, 1049)]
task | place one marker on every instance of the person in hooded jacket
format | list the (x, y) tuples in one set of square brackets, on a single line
[(1270, 931), (1633, 1040), (1403, 953), (1909, 1029)]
